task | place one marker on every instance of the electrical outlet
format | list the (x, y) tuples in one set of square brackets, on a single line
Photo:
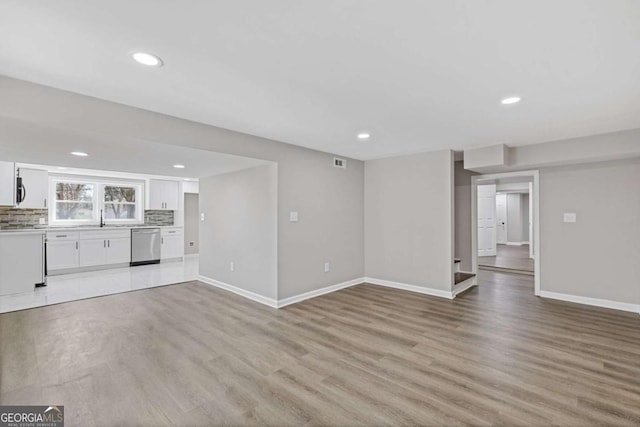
[(202, 217), (570, 217), (327, 267), (293, 216), (42, 221), (232, 266), (192, 243)]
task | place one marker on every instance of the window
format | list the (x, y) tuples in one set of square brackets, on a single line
[(74, 201), (81, 200), (119, 202)]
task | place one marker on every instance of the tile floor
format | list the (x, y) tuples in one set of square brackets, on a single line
[(77, 286)]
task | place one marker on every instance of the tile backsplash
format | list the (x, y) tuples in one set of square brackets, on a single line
[(13, 219), (158, 218)]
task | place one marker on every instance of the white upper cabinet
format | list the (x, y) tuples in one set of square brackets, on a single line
[(35, 184), (163, 195), (7, 184)]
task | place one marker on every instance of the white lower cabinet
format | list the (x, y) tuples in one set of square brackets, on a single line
[(119, 250), (63, 251), (93, 252), (172, 243), (91, 248)]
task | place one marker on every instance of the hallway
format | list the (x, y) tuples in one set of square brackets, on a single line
[(509, 257)]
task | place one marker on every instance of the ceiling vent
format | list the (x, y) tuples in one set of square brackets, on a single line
[(339, 163)]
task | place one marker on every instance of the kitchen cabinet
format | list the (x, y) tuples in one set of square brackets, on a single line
[(172, 243), (105, 247), (119, 250), (36, 188), (21, 262), (7, 184), (63, 251), (163, 195)]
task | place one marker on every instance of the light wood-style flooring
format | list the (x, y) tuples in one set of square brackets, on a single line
[(191, 354), (509, 257)]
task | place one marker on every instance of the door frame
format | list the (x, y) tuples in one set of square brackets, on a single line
[(534, 198)]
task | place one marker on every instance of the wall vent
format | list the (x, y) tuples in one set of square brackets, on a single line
[(339, 163)]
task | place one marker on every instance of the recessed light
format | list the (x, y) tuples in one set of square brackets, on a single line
[(511, 100), (178, 166), (364, 136), (147, 59), (79, 153)]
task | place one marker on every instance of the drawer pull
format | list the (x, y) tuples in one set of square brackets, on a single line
[(61, 235)]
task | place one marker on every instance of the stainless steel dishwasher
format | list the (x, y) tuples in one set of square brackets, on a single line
[(145, 246)]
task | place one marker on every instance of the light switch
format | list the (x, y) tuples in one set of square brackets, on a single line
[(293, 216), (570, 217), (202, 217)]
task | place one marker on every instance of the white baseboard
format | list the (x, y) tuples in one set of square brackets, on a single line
[(592, 301), (283, 302), (239, 291), (322, 291), (328, 289), (408, 287)]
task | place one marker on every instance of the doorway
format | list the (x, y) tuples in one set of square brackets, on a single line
[(191, 224), (505, 223)]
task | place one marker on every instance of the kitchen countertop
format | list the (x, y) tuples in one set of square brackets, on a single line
[(91, 228)]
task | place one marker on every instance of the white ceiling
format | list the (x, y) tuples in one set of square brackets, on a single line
[(419, 75)]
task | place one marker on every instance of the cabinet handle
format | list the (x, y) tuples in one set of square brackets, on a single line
[(108, 243), (162, 240), (45, 203), (76, 246), (104, 243), (61, 235)]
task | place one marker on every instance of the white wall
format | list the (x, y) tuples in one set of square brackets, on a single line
[(598, 256), (241, 226), (409, 219)]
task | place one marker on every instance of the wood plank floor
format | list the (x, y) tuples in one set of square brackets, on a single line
[(191, 354), (510, 257)]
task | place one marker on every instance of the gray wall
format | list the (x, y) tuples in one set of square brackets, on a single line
[(514, 218), (241, 226), (330, 200), (525, 217), (409, 219), (463, 215), (191, 223), (598, 256)]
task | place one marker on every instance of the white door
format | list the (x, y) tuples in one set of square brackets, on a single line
[(93, 252), (62, 254), (171, 195), (501, 214), (172, 246), (487, 220), (118, 251)]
